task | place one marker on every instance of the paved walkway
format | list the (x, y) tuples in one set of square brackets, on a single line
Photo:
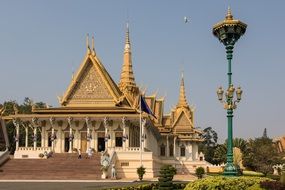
[(62, 185), (78, 184)]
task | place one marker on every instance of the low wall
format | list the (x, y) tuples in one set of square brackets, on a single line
[(4, 156), (127, 163), (30, 152)]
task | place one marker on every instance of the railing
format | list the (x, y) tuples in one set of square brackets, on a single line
[(32, 149), (133, 149)]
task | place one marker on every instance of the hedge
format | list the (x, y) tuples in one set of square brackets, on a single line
[(227, 183)]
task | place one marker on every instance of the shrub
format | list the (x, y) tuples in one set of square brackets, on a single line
[(274, 177), (270, 185), (282, 177), (226, 183), (41, 155), (166, 176), (253, 173), (141, 172), (200, 171), (150, 186)]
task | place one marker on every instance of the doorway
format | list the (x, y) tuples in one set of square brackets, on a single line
[(101, 144), (83, 141), (66, 142)]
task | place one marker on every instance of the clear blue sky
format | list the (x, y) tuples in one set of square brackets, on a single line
[(42, 42)]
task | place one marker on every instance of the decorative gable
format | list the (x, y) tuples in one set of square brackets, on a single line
[(93, 87), (90, 87), (183, 123)]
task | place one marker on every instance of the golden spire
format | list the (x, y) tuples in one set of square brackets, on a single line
[(182, 97), (87, 43), (127, 75), (229, 15), (93, 46)]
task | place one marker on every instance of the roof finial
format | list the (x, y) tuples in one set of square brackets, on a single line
[(229, 15), (127, 74), (127, 44), (182, 97), (93, 46), (87, 43)]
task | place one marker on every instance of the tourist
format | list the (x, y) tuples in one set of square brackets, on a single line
[(89, 153), (79, 154)]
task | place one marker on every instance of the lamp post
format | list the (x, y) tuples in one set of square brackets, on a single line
[(228, 32)]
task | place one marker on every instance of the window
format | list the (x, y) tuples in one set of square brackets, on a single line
[(171, 150), (182, 150), (119, 141), (162, 150)]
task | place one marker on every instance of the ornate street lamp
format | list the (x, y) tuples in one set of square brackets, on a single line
[(228, 32)]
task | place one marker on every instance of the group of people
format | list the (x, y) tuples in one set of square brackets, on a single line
[(89, 152)]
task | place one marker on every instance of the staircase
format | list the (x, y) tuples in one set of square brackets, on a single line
[(63, 166)]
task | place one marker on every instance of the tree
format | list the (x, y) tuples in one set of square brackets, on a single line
[(200, 171), (141, 172), (24, 108), (210, 136), (209, 144), (166, 176), (265, 133), (261, 155), (220, 154)]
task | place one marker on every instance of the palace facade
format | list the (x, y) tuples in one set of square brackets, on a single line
[(97, 112)]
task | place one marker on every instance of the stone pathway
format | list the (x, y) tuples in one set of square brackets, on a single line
[(79, 184)]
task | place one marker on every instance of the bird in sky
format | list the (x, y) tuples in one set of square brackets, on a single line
[(186, 20)]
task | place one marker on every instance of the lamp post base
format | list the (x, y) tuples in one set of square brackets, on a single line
[(230, 170)]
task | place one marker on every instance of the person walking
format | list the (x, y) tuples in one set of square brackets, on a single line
[(79, 154), (89, 152)]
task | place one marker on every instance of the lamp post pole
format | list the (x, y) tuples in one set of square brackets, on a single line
[(228, 32)]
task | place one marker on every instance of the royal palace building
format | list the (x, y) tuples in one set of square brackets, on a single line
[(96, 112)]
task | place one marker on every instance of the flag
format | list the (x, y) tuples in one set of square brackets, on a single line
[(144, 107)]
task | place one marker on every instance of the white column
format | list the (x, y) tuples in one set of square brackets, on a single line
[(70, 140), (167, 146), (78, 139), (17, 134), (52, 120), (95, 140), (43, 137), (59, 139), (106, 132), (174, 146), (35, 138), (52, 139), (124, 133), (69, 119), (26, 136), (87, 120)]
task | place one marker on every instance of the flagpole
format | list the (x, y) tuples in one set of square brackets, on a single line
[(140, 130)]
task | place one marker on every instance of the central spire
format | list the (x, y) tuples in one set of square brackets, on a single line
[(127, 74), (182, 97)]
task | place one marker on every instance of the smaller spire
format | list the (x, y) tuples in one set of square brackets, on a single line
[(229, 15), (127, 74), (182, 97), (127, 43), (93, 46), (87, 43)]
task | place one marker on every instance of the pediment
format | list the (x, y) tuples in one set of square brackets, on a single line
[(90, 86), (182, 123), (93, 87)]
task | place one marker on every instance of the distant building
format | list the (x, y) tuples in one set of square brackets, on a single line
[(280, 143)]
